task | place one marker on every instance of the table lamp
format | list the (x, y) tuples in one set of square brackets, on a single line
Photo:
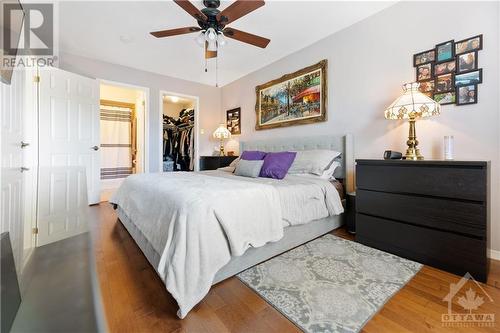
[(412, 105), (222, 133)]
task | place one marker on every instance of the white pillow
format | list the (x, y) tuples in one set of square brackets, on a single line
[(327, 174), (249, 168), (313, 161), (227, 169), (235, 162)]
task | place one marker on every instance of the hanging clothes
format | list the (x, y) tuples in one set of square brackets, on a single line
[(178, 142)]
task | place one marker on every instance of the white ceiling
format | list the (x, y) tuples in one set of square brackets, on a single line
[(94, 29)]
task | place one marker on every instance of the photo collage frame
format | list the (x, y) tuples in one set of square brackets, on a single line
[(449, 73)]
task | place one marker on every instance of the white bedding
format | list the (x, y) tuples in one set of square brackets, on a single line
[(197, 221)]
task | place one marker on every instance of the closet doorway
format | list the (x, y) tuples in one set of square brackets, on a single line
[(122, 129), (179, 148)]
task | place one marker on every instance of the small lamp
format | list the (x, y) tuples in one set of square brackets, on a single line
[(222, 133), (412, 105)]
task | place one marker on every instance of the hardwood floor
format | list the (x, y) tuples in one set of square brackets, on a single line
[(135, 299)]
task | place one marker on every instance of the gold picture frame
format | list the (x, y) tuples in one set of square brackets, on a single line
[(293, 99)]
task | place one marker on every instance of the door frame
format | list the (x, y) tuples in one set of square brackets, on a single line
[(147, 107), (196, 127)]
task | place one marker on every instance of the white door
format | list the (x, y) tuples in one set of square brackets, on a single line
[(11, 103), (69, 160)]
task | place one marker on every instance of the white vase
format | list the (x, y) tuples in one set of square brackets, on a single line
[(448, 147)]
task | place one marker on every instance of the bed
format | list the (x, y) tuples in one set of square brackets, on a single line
[(187, 273)]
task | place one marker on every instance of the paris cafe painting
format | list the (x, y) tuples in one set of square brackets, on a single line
[(293, 99)]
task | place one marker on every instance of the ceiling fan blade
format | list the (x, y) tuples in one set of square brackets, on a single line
[(173, 32), (238, 9), (191, 9), (245, 37), (209, 54)]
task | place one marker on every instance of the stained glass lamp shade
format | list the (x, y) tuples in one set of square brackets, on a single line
[(412, 105), (222, 133)]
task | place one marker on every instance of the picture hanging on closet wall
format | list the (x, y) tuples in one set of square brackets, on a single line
[(450, 72), (233, 121)]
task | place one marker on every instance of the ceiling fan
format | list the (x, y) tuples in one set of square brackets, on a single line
[(212, 24)]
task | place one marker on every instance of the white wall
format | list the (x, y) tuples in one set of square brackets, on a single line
[(367, 64), (209, 98)]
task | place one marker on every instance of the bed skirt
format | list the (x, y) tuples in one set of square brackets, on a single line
[(293, 237)]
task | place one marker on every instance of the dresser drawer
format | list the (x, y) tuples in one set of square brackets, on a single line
[(451, 252), (461, 182), (464, 217)]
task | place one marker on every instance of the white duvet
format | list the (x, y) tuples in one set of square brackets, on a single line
[(197, 221)]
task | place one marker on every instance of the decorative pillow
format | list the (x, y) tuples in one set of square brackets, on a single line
[(235, 162), (327, 174), (252, 155), (227, 169), (276, 165), (247, 168), (313, 161)]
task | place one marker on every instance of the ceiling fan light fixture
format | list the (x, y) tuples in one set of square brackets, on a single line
[(210, 35), (200, 39), (212, 45), (221, 40)]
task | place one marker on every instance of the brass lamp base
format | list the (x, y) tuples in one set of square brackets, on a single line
[(221, 148), (412, 152)]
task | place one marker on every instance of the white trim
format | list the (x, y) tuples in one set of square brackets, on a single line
[(196, 125), (494, 254), (147, 152)]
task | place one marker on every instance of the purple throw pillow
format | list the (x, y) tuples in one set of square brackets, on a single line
[(253, 155), (276, 165)]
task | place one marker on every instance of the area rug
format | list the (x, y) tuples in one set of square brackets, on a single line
[(330, 284)]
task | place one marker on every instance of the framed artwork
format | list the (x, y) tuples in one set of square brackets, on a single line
[(445, 67), (295, 98), (444, 83), (467, 94), (470, 44), (450, 72), (445, 51), (427, 86), (424, 72), (445, 98), (468, 78), (424, 57), (233, 121), (467, 62)]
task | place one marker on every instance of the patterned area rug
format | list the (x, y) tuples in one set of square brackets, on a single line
[(330, 284)]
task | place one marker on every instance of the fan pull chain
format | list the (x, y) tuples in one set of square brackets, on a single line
[(206, 65)]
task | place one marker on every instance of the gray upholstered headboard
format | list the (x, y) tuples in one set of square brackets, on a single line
[(343, 144)]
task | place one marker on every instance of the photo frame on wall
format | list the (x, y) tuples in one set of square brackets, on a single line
[(469, 44), (467, 62), (424, 57), (467, 94), (445, 51), (296, 98), (444, 70), (233, 121)]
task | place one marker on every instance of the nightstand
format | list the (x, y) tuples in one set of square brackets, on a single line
[(215, 162), (350, 212), (433, 212)]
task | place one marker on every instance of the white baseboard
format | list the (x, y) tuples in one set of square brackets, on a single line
[(494, 254)]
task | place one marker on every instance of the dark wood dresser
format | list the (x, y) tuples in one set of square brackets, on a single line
[(215, 162), (433, 212)]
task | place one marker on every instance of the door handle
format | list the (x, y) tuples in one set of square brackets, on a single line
[(23, 169), (24, 144), (96, 148)]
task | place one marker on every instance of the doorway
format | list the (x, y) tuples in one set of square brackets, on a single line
[(179, 148), (122, 129)]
